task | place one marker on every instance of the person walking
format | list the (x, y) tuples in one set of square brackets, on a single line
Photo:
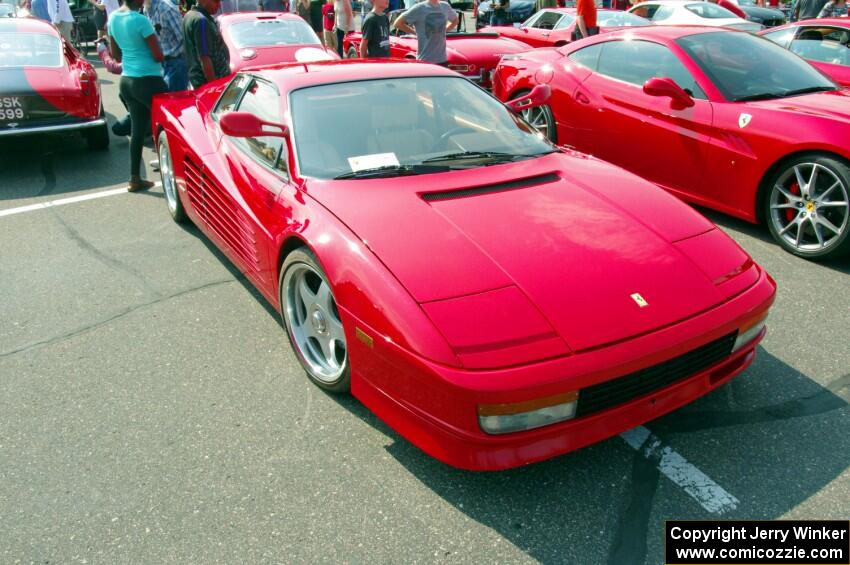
[(60, 15), (807, 9), (206, 54), (834, 9), (429, 20), (343, 22), (328, 17), (499, 14), (103, 9), (168, 23), (133, 43), (585, 19), (375, 42), (39, 10)]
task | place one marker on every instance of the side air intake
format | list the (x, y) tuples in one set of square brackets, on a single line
[(490, 188)]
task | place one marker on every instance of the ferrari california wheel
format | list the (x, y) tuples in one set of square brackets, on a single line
[(312, 321), (808, 207), (542, 119), (169, 182)]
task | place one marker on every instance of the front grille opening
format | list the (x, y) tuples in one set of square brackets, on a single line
[(490, 188), (618, 391)]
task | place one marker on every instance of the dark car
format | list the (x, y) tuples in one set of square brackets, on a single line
[(518, 12), (768, 17)]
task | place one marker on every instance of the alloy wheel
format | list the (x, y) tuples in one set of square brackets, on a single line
[(166, 171), (540, 117)]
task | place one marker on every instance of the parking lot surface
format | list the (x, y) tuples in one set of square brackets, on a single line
[(151, 411)]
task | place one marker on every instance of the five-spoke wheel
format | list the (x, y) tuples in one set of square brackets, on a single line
[(312, 321), (169, 182), (808, 209)]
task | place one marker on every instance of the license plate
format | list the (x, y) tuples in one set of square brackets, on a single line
[(12, 109)]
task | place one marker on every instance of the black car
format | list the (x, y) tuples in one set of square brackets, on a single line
[(768, 17)]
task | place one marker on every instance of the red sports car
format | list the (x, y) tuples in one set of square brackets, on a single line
[(263, 38), (554, 27), (721, 118), (495, 299), (45, 85), (474, 55), (825, 43)]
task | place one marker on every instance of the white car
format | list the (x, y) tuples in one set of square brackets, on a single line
[(676, 12)]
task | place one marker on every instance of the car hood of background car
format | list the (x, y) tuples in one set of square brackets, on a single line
[(577, 240), (281, 54), (833, 105)]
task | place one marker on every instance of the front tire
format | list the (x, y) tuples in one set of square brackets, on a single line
[(541, 118), (807, 206), (312, 322), (169, 181)]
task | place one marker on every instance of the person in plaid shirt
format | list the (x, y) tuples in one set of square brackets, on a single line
[(168, 23)]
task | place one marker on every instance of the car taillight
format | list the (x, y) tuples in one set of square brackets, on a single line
[(463, 68)]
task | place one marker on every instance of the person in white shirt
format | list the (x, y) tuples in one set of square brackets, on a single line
[(104, 10), (343, 22), (61, 17)]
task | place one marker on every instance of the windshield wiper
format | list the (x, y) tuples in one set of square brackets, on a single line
[(492, 156), (808, 90), (772, 95), (392, 171)]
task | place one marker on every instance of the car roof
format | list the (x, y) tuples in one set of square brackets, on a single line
[(837, 22), (27, 25), (666, 32), (292, 76), (236, 17)]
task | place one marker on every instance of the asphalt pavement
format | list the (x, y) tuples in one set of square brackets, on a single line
[(152, 412)]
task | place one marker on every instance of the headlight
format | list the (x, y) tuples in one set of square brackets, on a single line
[(749, 331), (516, 417)]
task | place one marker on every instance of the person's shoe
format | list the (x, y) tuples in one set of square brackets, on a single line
[(154, 163), (121, 128), (137, 185)]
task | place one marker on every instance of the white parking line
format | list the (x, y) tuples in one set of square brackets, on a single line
[(697, 484), (63, 201)]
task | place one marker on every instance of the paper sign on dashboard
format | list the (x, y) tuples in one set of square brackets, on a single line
[(363, 162)]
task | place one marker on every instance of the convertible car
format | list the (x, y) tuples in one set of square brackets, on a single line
[(554, 27), (721, 118), (262, 38), (677, 12), (494, 298), (825, 43), (46, 85), (474, 55)]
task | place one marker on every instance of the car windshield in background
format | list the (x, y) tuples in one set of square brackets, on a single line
[(266, 33), (29, 50), (233, 6), (745, 67), (619, 19), (406, 125), (709, 10)]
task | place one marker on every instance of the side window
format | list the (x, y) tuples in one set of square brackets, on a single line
[(230, 96), (529, 22), (636, 62), (824, 44), (781, 37), (548, 20), (262, 100), (566, 21), (645, 11), (587, 57), (662, 13)]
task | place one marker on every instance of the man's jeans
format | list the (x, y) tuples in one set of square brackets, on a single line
[(175, 73)]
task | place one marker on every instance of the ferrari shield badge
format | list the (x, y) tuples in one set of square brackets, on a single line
[(639, 300), (743, 120)]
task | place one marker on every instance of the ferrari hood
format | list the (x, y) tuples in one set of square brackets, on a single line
[(834, 104), (259, 56), (563, 231), (479, 50)]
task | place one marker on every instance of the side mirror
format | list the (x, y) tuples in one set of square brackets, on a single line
[(538, 96), (245, 124), (679, 99)]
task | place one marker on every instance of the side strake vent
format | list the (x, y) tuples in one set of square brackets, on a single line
[(490, 188)]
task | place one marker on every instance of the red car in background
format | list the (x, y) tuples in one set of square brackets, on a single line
[(264, 38), (825, 43), (721, 118), (474, 55), (46, 85), (554, 27), (495, 299)]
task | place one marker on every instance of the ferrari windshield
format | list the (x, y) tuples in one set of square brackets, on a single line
[(611, 18), (406, 125), (19, 49), (745, 67), (266, 33)]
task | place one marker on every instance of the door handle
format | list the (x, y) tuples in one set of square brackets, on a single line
[(581, 98)]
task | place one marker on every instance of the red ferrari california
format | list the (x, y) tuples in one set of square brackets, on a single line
[(554, 27), (46, 85), (825, 43), (263, 38), (495, 299), (720, 118), (474, 55)]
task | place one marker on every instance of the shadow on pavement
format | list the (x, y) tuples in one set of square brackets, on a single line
[(772, 437)]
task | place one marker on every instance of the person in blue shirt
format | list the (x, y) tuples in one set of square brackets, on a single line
[(134, 43), (39, 10)]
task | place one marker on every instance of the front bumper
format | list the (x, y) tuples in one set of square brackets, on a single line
[(434, 406), (25, 130)]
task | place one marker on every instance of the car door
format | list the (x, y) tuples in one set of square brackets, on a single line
[(259, 170), (825, 47), (644, 133), (537, 32)]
